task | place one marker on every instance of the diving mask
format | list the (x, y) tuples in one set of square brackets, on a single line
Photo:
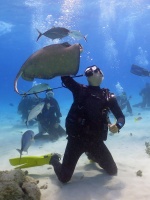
[(91, 70)]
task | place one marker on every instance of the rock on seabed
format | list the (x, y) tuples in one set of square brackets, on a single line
[(16, 185)]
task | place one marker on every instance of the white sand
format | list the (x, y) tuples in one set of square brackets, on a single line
[(89, 182)]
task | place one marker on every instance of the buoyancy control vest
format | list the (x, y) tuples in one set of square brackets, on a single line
[(88, 116)]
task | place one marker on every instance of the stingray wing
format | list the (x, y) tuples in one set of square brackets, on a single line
[(51, 61)]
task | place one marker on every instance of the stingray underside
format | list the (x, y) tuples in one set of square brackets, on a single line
[(51, 61)]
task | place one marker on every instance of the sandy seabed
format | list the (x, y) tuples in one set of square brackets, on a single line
[(89, 181)]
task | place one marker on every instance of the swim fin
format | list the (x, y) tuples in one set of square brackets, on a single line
[(139, 71), (30, 161)]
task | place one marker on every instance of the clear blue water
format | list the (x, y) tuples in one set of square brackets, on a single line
[(118, 36)]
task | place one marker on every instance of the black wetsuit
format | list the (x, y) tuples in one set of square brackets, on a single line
[(86, 126), (48, 118)]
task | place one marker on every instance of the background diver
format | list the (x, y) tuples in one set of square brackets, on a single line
[(145, 94), (49, 118), (124, 102)]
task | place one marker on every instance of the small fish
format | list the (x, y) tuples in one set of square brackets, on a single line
[(137, 119), (35, 111), (26, 141), (77, 35), (54, 33), (41, 87)]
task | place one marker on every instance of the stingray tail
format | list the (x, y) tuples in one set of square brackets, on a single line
[(40, 34), (16, 81)]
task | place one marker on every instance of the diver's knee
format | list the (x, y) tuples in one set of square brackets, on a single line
[(64, 179), (113, 171), (65, 176)]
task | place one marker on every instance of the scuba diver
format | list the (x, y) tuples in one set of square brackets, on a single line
[(145, 93), (49, 118), (123, 102), (87, 125)]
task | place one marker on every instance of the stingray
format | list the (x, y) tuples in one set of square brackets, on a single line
[(54, 33), (51, 61)]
